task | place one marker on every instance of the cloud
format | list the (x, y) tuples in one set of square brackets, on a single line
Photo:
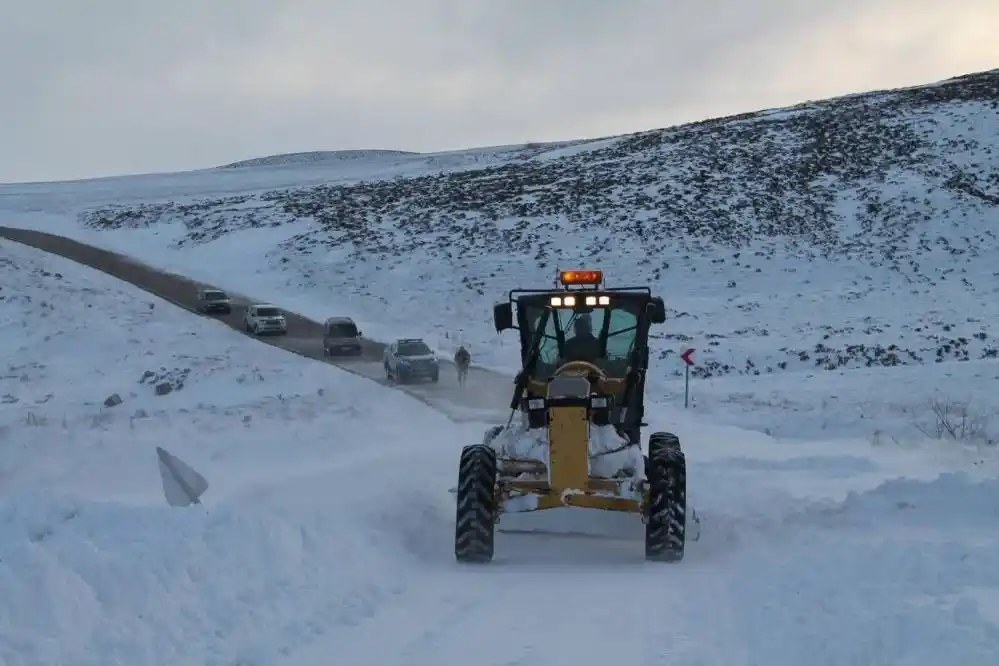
[(114, 86)]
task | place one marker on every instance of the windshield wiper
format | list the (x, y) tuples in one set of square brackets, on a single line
[(531, 363)]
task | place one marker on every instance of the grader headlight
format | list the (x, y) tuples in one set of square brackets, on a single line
[(570, 301)]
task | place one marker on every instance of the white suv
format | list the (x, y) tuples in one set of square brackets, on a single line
[(263, 318)]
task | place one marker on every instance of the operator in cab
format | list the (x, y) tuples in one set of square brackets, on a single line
[(583, 346)]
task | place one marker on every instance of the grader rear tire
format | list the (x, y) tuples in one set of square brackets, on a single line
[(475, 517), (665, 532)]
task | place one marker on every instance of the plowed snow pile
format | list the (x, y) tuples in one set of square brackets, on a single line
[(298, 532)]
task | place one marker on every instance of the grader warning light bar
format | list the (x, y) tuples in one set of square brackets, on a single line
[(589, 278)]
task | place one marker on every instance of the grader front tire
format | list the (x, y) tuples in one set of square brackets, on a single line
[(665, 532), (475, 518)]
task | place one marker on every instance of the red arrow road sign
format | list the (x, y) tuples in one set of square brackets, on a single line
[(685, 356)]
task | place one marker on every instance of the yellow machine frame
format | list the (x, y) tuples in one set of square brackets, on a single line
[(566, 479)]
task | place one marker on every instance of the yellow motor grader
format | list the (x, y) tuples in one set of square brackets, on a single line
[(580, 401)]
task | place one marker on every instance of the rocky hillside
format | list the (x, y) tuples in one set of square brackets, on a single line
[(755, 226)]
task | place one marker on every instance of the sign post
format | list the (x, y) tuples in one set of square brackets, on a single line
[(688, 361)]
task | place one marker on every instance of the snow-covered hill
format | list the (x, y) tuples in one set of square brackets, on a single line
[(854, 235), (316, 156), (325, 536)]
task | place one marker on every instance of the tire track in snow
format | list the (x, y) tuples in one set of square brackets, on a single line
[(554, 615)]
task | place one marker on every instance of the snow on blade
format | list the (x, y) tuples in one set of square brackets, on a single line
[(610, 453)]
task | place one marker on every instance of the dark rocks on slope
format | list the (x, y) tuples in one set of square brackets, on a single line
[(727, 181)]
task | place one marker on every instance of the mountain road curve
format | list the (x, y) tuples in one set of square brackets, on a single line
[(485, 398)]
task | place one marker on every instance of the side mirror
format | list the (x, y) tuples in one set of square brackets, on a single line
[(657, 310), (360, 333), (503, 316)]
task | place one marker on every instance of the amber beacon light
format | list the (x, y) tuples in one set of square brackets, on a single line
[(581, 277)]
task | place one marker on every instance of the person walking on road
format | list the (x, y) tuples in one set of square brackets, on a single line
[(462, 359)]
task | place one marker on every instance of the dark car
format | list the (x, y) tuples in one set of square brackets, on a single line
[(212, 301), (341, 336)]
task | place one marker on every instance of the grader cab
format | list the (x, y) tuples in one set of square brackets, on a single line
[(580, 401)]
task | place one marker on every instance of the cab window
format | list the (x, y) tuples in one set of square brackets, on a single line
[(621, 334), (616, 327)]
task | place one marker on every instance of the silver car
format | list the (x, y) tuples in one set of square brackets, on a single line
[(261, 318), (411, 359)]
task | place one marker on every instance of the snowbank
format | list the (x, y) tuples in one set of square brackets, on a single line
[(300, 531)]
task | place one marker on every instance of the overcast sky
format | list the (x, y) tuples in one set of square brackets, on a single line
[(103, 87)]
